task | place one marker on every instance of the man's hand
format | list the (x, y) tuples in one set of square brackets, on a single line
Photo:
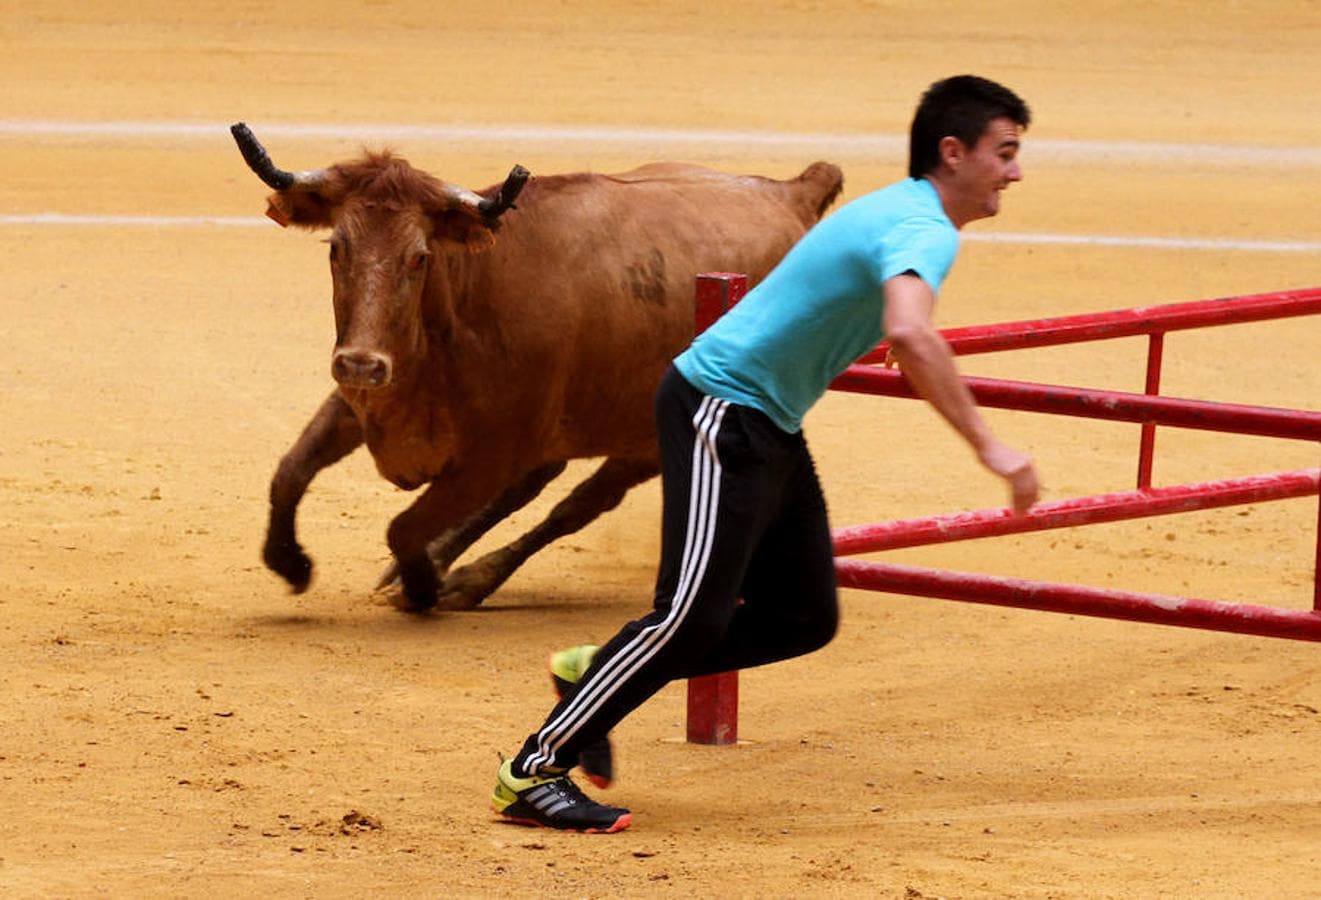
[(1015, 468)]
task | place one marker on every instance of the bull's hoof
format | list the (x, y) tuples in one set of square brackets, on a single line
[(390, 576), (464, 588), (290, 563), (399, 600), (419, 587), (456, 601)]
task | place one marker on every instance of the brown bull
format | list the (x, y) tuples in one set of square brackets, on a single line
[(481, 345)]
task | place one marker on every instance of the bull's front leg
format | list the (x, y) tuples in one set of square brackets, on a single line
[(332, 434), (446, 502), (467, 587), (450, 545)]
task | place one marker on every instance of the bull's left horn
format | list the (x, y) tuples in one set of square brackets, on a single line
[(254, 154), (491, 209), (504, 198)]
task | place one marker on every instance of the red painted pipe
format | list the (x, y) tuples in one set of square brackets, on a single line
[(1124, 323), (716, 293), (1117, 406), (1115, 507), (713, 709), (1264, 621), (1316, 578), (713, 699), (1147, 443)]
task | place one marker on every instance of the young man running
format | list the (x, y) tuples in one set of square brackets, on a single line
[(747, 574)]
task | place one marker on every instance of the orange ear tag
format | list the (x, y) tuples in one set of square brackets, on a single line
[(277, 215)]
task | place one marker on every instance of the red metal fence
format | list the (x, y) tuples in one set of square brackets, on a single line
[(712, 715)]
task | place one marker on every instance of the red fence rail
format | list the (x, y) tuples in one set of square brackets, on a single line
[(1149, 410), (1113, 507), (1240, 618), (1116, 406), (1120, 323)]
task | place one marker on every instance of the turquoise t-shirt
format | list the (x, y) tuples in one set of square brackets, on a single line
[(820, 309)]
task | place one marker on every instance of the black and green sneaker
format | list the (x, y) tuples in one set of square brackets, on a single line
[(553, 801), (597, 759)]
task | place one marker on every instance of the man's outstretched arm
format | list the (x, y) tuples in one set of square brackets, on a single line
[(928, 364)]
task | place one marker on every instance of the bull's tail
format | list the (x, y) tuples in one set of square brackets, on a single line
[(821, 183)]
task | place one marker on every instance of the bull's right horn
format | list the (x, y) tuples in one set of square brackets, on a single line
[(254, 154), (508, 193), (491, 210)]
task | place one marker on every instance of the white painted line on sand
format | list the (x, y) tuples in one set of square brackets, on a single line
[(839, 145), (118, 221)]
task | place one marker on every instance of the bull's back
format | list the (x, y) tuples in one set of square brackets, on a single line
[(809, 195), (675, 218)]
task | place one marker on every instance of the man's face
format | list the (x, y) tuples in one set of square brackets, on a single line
[(982, 172)]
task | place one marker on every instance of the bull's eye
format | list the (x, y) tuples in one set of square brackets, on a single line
[(418, 261)]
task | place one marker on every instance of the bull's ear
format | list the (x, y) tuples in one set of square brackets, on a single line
[(304, 206), (461, 227)]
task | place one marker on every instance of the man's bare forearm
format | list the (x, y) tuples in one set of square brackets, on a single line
[(927, 363)]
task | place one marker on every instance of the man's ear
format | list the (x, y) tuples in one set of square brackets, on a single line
[(304, 206), (952, 151)]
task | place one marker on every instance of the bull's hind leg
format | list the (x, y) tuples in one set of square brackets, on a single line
[(450, 545), (332, 434), (468, 586)]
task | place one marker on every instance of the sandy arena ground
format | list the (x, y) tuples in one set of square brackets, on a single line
[(176, 724)]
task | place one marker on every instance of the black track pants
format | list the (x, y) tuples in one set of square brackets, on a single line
[(746, 575)]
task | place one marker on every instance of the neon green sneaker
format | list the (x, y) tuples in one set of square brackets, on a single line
[(554, 801), (597, 759)]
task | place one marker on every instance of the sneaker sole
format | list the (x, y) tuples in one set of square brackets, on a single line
[(618, 825)]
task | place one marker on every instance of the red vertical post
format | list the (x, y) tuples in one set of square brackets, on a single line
[(1316, 572), (1147, 449), (716, 293), (713, 709), (713, 699)]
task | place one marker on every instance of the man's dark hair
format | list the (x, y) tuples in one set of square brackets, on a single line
[(960, 107)]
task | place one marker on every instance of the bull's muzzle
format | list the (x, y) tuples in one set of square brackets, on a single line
[(361, 369)]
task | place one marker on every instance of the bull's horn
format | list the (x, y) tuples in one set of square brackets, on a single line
[(254, 154), (504, 198), (464, 197), (491, 209)]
